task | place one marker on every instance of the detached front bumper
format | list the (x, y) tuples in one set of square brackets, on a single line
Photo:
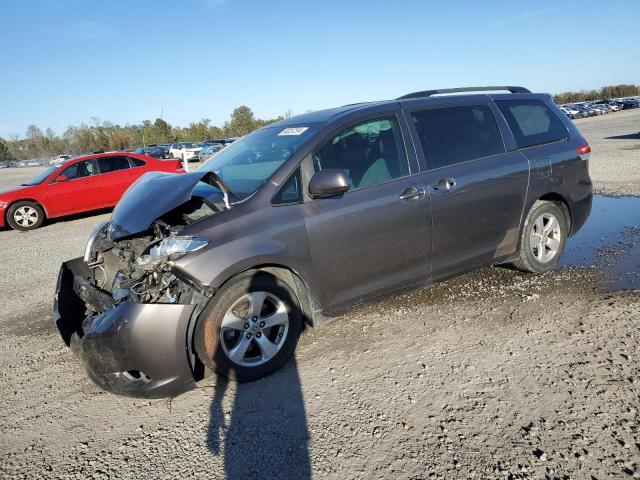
[(131, 349)]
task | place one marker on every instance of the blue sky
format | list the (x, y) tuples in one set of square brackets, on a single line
[(64, 62)]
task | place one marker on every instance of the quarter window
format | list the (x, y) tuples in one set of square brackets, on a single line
[(136, 162), (79, 170), (532, 122), (371, 153), (290, 191), (453, 135), (111, 164)]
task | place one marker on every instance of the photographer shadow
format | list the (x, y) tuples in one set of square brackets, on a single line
[(264, 434)]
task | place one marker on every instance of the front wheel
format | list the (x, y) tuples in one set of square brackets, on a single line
[(250, 328), (25, 215), (543, 238)]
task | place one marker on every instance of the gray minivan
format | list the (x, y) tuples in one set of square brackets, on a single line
[(221, 268)]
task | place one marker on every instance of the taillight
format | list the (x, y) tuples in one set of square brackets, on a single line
[(584, 151)]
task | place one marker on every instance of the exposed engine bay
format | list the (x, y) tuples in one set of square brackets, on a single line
[(138, 268)]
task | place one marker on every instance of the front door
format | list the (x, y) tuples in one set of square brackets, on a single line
[(376, 237), (74, 190)]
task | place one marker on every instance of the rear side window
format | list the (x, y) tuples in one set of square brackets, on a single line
[(111, 164), (453, 135), (532, 122), (136, 162)]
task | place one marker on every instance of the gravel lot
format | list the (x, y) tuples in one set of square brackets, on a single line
[(495, 374), (615, 146)]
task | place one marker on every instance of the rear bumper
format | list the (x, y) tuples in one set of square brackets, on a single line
[(580, 212), (131, 349), (3, 214)]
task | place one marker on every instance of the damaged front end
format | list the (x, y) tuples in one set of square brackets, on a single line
[(124, 309)]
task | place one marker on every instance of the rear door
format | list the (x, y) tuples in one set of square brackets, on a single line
[(114, 178), (375, 238), (477, 187), (78, 193), (138, 168)]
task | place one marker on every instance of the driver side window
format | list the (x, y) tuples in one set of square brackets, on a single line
[(370, 152), (79, 170)]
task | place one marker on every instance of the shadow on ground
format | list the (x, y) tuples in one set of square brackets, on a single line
[(265, 434), (628, 136)]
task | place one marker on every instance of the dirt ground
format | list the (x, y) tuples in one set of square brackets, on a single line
[(494, 374)]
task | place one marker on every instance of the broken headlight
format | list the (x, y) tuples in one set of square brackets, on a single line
[(176, 247)]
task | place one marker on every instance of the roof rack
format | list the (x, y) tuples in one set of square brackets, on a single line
[(428, 93)]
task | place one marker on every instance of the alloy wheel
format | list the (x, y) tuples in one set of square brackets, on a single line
[(25, 216), (254, 329), (545, 237)]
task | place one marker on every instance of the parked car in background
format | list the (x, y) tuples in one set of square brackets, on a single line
[(185, 151), (599, 108), (81, 184), (571, 112), (166, 147), (589, 112), (58, 159), (155, 152), (628, 103), (209, 150), (302, 219)]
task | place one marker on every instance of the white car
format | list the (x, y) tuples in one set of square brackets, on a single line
[(59, 159), (185, 151), (569, 110)]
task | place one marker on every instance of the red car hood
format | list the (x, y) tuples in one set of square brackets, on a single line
[(10, 193)]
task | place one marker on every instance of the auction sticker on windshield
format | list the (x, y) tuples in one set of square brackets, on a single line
[(293, 131)]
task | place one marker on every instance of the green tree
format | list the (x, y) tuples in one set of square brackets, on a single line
[(5, 154), (242, 122), (163, 129)]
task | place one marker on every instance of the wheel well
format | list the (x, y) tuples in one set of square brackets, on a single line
[(292, 279), (6, 215), (562, 203), (285, 274)]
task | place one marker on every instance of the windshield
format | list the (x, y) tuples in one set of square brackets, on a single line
[(41, 177), (187, 145), (249, 162)]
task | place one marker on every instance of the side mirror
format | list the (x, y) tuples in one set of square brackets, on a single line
[(61, 178), (329, 183)]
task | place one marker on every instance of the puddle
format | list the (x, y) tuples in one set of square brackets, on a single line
[(609, 241)]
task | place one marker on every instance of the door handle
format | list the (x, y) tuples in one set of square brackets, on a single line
[(445, 184), (412, 193)]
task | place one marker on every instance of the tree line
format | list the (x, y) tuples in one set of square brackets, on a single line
[(605, 93), (106, 136)]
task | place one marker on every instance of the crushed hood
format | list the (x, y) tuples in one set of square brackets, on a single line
[(153, 195)]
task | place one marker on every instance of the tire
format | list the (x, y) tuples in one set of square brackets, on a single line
[(542, 240), (231, 323), (25, 215)]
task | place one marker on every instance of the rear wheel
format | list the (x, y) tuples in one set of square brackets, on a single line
[(543, 238), (25, 215), (250, 328)]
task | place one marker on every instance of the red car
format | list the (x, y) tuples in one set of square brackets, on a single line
[(84, 183)]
